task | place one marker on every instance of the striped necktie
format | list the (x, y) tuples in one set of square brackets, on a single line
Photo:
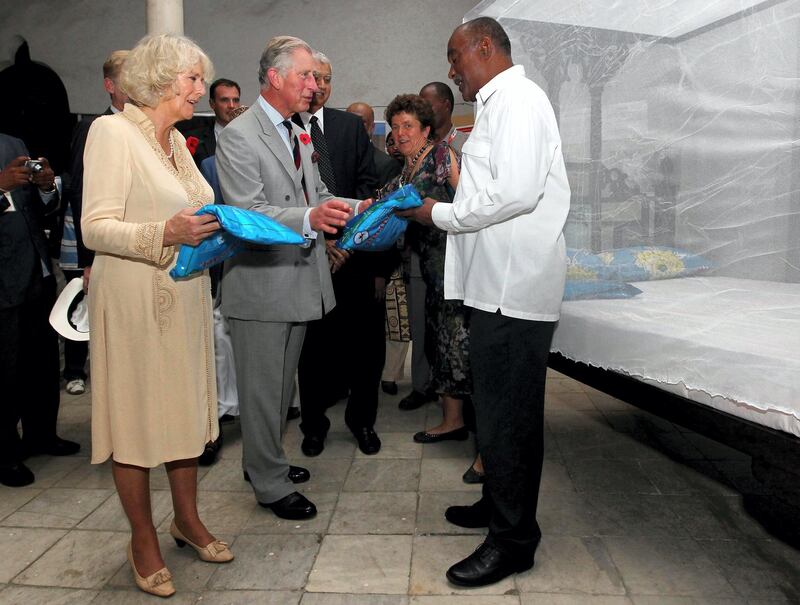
[(324, 163)]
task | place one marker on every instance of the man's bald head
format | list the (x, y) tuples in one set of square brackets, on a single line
[(366, 114)]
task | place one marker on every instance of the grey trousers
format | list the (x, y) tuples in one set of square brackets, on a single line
[(266, 356), (420, 369)]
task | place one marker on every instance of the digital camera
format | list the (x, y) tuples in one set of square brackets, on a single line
[(34, 165)]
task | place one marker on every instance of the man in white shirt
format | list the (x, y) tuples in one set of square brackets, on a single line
[(506, 260)]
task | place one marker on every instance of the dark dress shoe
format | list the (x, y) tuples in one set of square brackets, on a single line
[(368, 441), (389, 387), (313, 445), (487, 565), (461, 434), (293, 414), (294, 506), (471, 476), (209, 455), (18, 475), (476, 515), (415, 400), (54, 447), (298, 474)]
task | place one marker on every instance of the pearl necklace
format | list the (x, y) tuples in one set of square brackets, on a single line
[(410, 166), (171, 149)]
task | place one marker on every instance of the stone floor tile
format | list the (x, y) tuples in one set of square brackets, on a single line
[(555, 477), (188, 571), (326, 475), (714, 450), (633, 515), (609, 476), (676, 478), (392, 420), (27, 545), (738, 474), (572, 565), (604, 444), (249, 597), (75, 413), (267, 562), (81, 559), (362, 564), (221, 512), (605, 402), (49, 470), (433, 556), (430, 513), (564, 513), (338, 444), (375, 513), (79, 432), (563, 385), (664, 600), (638, 422), (12, 498), (321, 598), (110, 516), (709, 516), (567, 421), (465, 600), (571, 599), (567, 400), (35, 595), (368, 475), (89, 476), (444, 474), (225, 476), (757, 569), (667, 566), (464, 450), (396, 446), (58, 507), (263, 521), (134, 596)]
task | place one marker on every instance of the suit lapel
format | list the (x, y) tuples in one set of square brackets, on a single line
[(274, 142)]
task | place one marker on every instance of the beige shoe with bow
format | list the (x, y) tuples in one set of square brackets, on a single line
[(158, 584), (215, 552)]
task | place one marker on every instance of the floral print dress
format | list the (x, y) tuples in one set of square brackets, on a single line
[(446, 332)]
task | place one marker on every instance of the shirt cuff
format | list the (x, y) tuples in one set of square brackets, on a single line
[(308, 232), (47, 195), (442, 216)]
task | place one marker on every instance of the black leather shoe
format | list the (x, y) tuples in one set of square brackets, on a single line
[(313, 445), (389, 387), (209, 455), (461, 434), (18, 475), (294, 506), (368, 441), (54, 447), (476, 515), (298, 474), (487, 565), (293, 414), (415, 400)]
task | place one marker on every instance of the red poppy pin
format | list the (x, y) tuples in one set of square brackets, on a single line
[(304, 139), (192, 143)]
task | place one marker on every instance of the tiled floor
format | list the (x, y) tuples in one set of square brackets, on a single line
[(634, 511)]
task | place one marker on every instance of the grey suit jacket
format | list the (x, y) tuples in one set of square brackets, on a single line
[(257, 172)]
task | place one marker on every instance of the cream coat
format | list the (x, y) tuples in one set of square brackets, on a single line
[(152, 356)]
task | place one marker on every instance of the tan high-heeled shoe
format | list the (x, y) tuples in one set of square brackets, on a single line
[(215, 552), (158, 584)]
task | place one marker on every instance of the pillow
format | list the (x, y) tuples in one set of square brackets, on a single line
[(638, 263), (594, 289), (378, 227)]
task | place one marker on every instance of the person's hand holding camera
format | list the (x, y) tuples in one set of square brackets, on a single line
[(15, 174), (41, 174)]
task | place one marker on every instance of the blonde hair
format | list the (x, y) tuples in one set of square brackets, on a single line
[(278, 55), (113, 65), (150, 71)]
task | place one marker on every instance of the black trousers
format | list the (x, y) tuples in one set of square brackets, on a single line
[(75, 352), (509, 367), (29, 370), (346, 348)]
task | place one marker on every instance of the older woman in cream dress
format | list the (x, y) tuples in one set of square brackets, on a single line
[(153, 382)]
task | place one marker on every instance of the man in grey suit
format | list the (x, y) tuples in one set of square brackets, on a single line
[(267, 164)]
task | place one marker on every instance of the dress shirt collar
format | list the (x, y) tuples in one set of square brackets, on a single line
[(273, 114), (217, 129), (113, 109), (306, 118), (487, 90)]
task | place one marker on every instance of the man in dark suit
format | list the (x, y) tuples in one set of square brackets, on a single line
[(223, 97), (75, 353), (29, 358), (354, 329)]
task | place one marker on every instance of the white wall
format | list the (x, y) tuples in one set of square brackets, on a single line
[(378, 48)]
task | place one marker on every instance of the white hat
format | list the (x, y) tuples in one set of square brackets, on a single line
[(60, 318)]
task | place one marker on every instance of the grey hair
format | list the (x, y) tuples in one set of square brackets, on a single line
[(321, 57), (278, 55)]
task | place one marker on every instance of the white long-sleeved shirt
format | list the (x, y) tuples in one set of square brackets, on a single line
[(505, 242)]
